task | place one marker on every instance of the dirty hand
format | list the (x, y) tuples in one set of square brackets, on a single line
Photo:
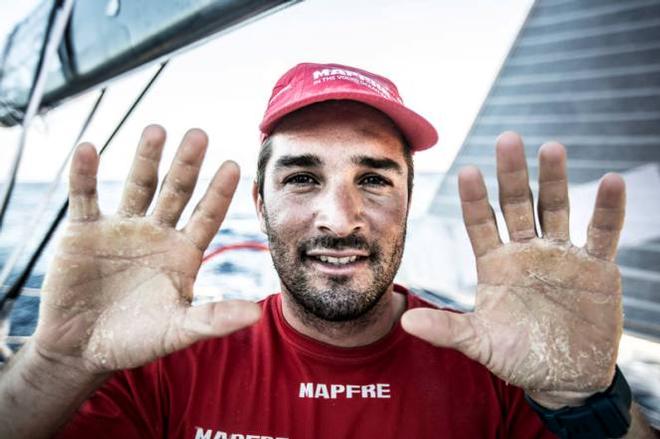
[(117, 293), (548, 315)]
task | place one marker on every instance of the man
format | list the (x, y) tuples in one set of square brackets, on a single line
[(329, 357)]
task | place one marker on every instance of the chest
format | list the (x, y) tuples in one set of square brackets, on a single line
[(294, 396)]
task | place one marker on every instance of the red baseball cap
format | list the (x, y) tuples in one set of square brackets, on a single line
[(308, 83)]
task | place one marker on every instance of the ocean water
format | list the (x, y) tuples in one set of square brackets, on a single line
[(249, 274)]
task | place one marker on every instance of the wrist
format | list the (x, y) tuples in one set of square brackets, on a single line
[(43, 370), (603, 415), (554, 400), (34, 382)]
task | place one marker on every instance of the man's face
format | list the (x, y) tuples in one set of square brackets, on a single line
[(334, 207)]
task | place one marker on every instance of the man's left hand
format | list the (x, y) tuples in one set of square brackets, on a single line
[(548, 315)]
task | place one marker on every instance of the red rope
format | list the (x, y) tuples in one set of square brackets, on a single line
[(248, 245)]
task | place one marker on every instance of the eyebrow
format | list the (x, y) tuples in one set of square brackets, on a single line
[(377, 163), (298, 161)]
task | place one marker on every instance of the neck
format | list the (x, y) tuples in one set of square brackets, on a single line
[(367, 329)]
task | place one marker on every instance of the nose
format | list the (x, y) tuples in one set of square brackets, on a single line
[(340, 210)]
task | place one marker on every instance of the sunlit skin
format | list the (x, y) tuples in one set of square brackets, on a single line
[(115, 276), (548, 315), (337, 171), (536, 295)]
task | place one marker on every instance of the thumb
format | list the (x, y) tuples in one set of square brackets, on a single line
[(443, 328), (219, 318)]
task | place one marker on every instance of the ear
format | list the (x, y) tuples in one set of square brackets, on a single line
[(259, 206)]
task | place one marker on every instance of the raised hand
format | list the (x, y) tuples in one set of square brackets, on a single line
[(548, 315), (118, 291)]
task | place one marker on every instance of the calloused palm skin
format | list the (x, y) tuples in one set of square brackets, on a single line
[(548, 315), (117, 293)]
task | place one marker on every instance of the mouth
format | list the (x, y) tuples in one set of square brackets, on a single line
[(337, 262)]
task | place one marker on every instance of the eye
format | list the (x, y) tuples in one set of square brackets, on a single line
[(375, 180), (300, 180)]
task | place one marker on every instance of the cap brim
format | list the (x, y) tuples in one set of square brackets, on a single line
[(419, 132)]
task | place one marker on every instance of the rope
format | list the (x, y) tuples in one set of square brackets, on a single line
[(248, 245)]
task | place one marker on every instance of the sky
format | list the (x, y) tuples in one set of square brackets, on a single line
[(442, 54)]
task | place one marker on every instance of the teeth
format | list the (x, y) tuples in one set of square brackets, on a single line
[(338, 261)]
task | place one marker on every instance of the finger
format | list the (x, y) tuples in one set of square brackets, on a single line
[(607, 220), (515, 195), (83, 205), (478, 215), (142, 180), (212, 208), (181, 178), (445, 329), (218, 319), (553, 192)]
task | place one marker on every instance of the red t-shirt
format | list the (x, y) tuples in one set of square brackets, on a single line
[(269, 381)]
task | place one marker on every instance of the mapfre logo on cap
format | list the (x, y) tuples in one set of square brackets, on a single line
[(334, 74)]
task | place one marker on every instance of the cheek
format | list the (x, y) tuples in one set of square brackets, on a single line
[(387, 213), (286, 217)]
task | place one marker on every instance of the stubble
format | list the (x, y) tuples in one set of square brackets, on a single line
[(340, 303)]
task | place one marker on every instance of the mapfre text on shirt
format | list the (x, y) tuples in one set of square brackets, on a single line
[(344, 391)]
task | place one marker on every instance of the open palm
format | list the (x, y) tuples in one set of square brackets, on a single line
[(118, 291), (548, 315)]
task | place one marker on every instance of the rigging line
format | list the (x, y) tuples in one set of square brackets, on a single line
[(11, 41), (53, 37), (134, 105), (41, 211), (15, 290)]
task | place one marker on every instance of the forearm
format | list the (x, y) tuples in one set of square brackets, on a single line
[(38, 393), (639, 428)]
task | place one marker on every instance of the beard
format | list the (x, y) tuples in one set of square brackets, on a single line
[(340, 299)]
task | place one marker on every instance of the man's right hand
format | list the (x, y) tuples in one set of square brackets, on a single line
[(117, 293)]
